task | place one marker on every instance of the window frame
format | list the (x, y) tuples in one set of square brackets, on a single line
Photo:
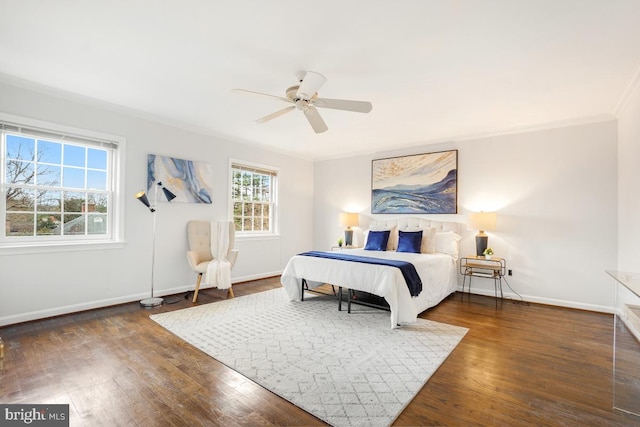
[(274, 215), (32, 128)]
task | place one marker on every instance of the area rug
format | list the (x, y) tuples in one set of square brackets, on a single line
[(346, 369)]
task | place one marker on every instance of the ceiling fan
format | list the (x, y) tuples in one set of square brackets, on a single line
[(304, 97)]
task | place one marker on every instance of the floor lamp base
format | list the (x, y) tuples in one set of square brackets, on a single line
[(151, 302)]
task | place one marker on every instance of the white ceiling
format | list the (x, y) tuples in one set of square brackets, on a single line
[(434, 70)]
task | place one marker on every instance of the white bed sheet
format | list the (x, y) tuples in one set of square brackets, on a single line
[(437, 272)]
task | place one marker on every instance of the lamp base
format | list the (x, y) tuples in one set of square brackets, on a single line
[(348, 237), (481, 244), (151, 302)]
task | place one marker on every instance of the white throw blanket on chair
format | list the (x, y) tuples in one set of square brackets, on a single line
[(219, 270)]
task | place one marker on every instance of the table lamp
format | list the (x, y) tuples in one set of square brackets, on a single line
[(482, 221), (349, 219)]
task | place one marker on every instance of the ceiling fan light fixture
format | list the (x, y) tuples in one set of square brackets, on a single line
[(310, 85)]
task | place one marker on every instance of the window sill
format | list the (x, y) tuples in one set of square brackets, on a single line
[(248, 237), (47, 247)]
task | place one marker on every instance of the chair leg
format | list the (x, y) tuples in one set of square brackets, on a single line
[(195, 293), (231, 292)]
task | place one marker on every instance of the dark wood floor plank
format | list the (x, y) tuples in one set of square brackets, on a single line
[(519, 365)]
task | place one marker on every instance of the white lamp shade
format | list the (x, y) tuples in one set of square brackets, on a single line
[(485, 221), (349, 219)]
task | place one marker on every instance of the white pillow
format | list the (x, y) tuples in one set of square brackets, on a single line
[(447, 243)]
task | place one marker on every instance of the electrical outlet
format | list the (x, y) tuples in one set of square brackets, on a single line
[(510, 272)]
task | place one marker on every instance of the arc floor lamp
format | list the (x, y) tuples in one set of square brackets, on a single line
[(153, 301)]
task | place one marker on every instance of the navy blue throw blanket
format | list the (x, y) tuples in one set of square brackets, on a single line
[(408, 270)]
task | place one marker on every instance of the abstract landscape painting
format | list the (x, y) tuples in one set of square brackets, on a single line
[(189, 180), (416, 184)]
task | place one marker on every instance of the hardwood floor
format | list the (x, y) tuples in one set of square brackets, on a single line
[(518, 365)]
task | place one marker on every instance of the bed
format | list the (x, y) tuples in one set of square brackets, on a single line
[(436, 265)]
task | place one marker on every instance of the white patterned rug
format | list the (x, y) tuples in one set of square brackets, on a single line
[(346, 369)]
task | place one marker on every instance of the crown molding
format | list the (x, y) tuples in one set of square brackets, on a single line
[(633, 85), (139, 114), (453, 139), (577, 121)]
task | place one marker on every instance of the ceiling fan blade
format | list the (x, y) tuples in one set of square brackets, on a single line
[(261, 94), (310, 85), (276, 114), (343, 104), (315, 120)]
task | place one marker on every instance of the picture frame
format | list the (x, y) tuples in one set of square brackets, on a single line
[(191, 181), (415, 184)]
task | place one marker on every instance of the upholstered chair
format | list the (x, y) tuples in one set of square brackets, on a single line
[(199, 254)]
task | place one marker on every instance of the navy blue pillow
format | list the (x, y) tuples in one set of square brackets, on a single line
[(410, 241), (377, 241)]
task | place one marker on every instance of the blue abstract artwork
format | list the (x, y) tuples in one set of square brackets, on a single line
[(416, 184), (189, 180)]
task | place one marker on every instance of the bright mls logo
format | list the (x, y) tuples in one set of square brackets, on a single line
[(34, 415)]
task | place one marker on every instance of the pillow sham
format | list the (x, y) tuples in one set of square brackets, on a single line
[(428, 241), (409, 241), (447, 243), (377, 240)]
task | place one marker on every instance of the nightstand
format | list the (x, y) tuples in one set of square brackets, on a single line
[(478, 266), (344, 248)]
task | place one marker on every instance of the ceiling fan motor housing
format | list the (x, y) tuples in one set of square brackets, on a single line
[(301, 103)]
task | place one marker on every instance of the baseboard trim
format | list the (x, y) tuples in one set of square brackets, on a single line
[(546, 301), (67, 309), (256, 276), (90, 305)]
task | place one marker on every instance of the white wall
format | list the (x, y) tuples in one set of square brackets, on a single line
[(40, 285), (556, 198), (629, 183), (554, 191), (629, 191)]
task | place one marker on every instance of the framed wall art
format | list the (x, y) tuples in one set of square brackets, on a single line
[(189, 180), (416, 184)]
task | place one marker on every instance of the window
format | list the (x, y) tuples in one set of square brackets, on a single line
[(57, 187), (253, 198)]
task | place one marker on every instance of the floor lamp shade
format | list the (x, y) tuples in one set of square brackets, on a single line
[(482, 221), (167, 193), (349, 219), (144, 200)]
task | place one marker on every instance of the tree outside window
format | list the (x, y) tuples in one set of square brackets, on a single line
[(54, 188), (253, 197)]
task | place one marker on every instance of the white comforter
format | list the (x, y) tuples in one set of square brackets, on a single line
[(437, 272)]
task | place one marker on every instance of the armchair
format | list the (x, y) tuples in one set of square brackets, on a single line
[(199, 256)]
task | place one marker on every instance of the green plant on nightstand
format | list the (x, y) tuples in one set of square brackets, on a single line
[(488, 253), (340, 242)]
